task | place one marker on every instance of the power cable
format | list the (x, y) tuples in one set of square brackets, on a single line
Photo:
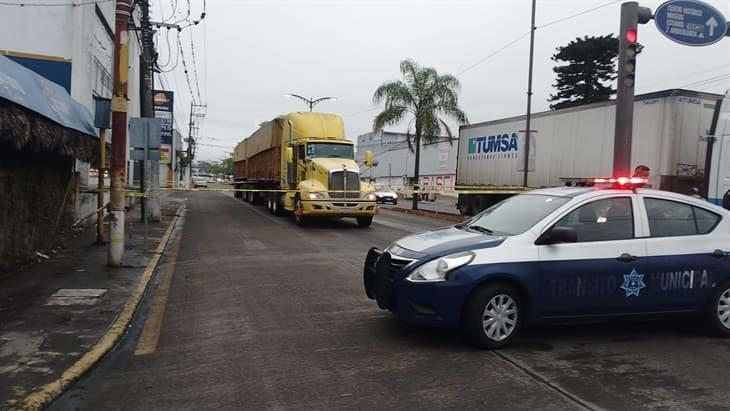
[(72, 4)]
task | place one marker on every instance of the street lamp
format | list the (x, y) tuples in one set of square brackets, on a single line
[(310, 101)]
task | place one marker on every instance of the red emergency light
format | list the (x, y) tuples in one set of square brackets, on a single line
[(622, 182)]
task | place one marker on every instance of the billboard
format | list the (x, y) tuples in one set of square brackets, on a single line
[(164, 105)]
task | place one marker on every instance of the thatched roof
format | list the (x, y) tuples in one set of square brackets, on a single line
[(23, 129)]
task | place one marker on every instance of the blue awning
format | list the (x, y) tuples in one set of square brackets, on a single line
[(34, 92)]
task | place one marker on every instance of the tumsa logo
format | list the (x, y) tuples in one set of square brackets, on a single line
[(493, 147)]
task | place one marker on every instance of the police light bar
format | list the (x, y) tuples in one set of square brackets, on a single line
[(613, 182)]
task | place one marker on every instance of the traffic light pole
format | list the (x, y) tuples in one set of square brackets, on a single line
[(631, 16)]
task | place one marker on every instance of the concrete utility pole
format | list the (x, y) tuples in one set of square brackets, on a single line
[(528, 131), (119, 133), (151, 167)]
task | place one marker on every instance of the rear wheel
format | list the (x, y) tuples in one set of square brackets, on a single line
[(718, 311), (364, 221), (276, 205), (493, 316)]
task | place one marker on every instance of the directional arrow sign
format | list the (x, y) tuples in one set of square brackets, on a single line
[(690, 22)]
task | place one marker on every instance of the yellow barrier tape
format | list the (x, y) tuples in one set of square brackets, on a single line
[(509, 190)]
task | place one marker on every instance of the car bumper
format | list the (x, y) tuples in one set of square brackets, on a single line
[(384, 200), (436, 304), (336, 208)]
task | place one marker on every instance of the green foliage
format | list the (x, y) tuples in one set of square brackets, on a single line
[(587, 76), (424, 96), (220, 167)]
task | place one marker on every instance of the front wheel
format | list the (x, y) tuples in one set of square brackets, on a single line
[(718, 311), (493, 316), (364, 221)]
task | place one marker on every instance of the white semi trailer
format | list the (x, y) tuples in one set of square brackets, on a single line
[(668, 136)]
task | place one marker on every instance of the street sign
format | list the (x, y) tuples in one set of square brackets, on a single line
[(145, 132), (690, 22)]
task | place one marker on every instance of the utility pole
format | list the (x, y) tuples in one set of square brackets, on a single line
[(196, 112), (151, 174), (528, 130), (119, 132), (190, 145)]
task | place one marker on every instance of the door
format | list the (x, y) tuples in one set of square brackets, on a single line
[(602, 272), (687, 255)]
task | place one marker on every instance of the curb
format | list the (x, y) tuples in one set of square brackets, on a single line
[(427, 213), (44, 395)]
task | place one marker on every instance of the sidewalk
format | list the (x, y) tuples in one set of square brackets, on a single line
[(54, 311)]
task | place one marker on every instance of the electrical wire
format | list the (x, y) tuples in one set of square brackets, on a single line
[(71, 4)]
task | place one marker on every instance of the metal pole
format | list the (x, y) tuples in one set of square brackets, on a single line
[(100, 188), (529, 96), (119, 132), (152, 200), (190, 146)]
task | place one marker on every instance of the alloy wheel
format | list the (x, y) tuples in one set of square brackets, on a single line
[(500, 317)]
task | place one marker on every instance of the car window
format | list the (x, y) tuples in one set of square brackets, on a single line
[(670, 218), (601, 220)]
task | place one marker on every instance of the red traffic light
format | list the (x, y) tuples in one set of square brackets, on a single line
[(631, 35)]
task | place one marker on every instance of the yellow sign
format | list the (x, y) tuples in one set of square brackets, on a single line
[(165, 154)]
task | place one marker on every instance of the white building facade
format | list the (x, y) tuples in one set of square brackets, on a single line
[(396, 161)]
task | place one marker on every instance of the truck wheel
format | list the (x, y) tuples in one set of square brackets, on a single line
[(493, 316), (276, 205), (237, 194), (364, 221), (718, 311)]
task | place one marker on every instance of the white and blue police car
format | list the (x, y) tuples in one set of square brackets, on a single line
[(561, 254)]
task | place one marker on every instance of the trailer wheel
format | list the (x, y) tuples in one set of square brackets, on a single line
[(276, 205), (237, 194)]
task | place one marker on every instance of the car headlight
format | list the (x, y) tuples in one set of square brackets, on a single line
[(316, 196), (370, 197), (438, 269)]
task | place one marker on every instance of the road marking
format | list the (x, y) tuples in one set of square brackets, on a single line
[(147, 343)]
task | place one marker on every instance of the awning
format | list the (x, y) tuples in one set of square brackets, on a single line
[(34, 92)]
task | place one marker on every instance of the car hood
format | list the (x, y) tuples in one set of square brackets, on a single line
[(443, 241)]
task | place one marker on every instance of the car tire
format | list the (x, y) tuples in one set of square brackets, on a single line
[(395, 202), (493, 316), (718, 311), (364, 222)]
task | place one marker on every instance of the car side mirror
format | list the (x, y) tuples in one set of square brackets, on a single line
[(557, 235)]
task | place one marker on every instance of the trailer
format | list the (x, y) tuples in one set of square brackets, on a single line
[(577, 143)]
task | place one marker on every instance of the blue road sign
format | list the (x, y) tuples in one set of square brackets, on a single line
[(690, 22)]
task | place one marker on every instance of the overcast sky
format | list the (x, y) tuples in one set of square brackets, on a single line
[(250, 53)]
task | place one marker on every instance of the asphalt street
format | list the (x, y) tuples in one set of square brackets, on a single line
[(257, 313)]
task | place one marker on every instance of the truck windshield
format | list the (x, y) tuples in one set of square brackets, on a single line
[(330, 150), (516, 214)]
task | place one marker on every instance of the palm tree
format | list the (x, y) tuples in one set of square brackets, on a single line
[(423, 96)]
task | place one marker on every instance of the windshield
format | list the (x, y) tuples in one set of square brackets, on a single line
[(515, 215), (330, 150)]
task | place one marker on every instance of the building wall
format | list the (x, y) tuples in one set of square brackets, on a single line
[(396, 162), (80, 36)]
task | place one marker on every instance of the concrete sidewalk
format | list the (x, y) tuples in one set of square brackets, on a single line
[(54, 311)]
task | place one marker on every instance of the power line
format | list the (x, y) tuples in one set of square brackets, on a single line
[(71, 4), (195, 66), (494, 53), (707, 81), (185, 69), (560, 20)]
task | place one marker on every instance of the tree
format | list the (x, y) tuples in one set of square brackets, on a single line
[(220, 167), (423, 96), (587, 76)]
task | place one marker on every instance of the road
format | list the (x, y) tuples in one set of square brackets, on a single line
[(257, 313)]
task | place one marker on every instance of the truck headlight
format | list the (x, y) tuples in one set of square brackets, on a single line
[(316, 196), (438, 269), (370, 197)]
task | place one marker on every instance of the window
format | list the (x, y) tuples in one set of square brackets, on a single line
[(601, 220), (670, 218), (335, 150), (516, 214)]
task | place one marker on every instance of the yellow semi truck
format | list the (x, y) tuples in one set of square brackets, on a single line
[(301, 163)]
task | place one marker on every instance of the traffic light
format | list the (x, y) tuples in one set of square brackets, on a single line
[(629, 57)]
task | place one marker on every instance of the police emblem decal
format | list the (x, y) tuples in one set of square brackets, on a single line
[(633, 283)]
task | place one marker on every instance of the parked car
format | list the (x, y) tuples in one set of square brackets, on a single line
[(561, 254), (384, 194), (200, 180)]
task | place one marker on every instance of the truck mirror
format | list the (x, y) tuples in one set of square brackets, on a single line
[(369, 158), (289, 155)]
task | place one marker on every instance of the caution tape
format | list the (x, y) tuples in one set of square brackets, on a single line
[(460, 190)]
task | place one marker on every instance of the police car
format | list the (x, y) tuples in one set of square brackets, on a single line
[(613, 250)]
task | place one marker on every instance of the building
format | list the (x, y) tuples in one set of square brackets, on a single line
[(72, 45), (43, 132), (396, 161)]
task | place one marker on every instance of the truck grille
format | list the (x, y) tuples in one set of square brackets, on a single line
[(344, 184)]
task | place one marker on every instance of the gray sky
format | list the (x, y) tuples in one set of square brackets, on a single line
[(249, 53)]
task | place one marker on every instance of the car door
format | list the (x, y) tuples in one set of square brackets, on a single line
[(687, 254), (602, 272)]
